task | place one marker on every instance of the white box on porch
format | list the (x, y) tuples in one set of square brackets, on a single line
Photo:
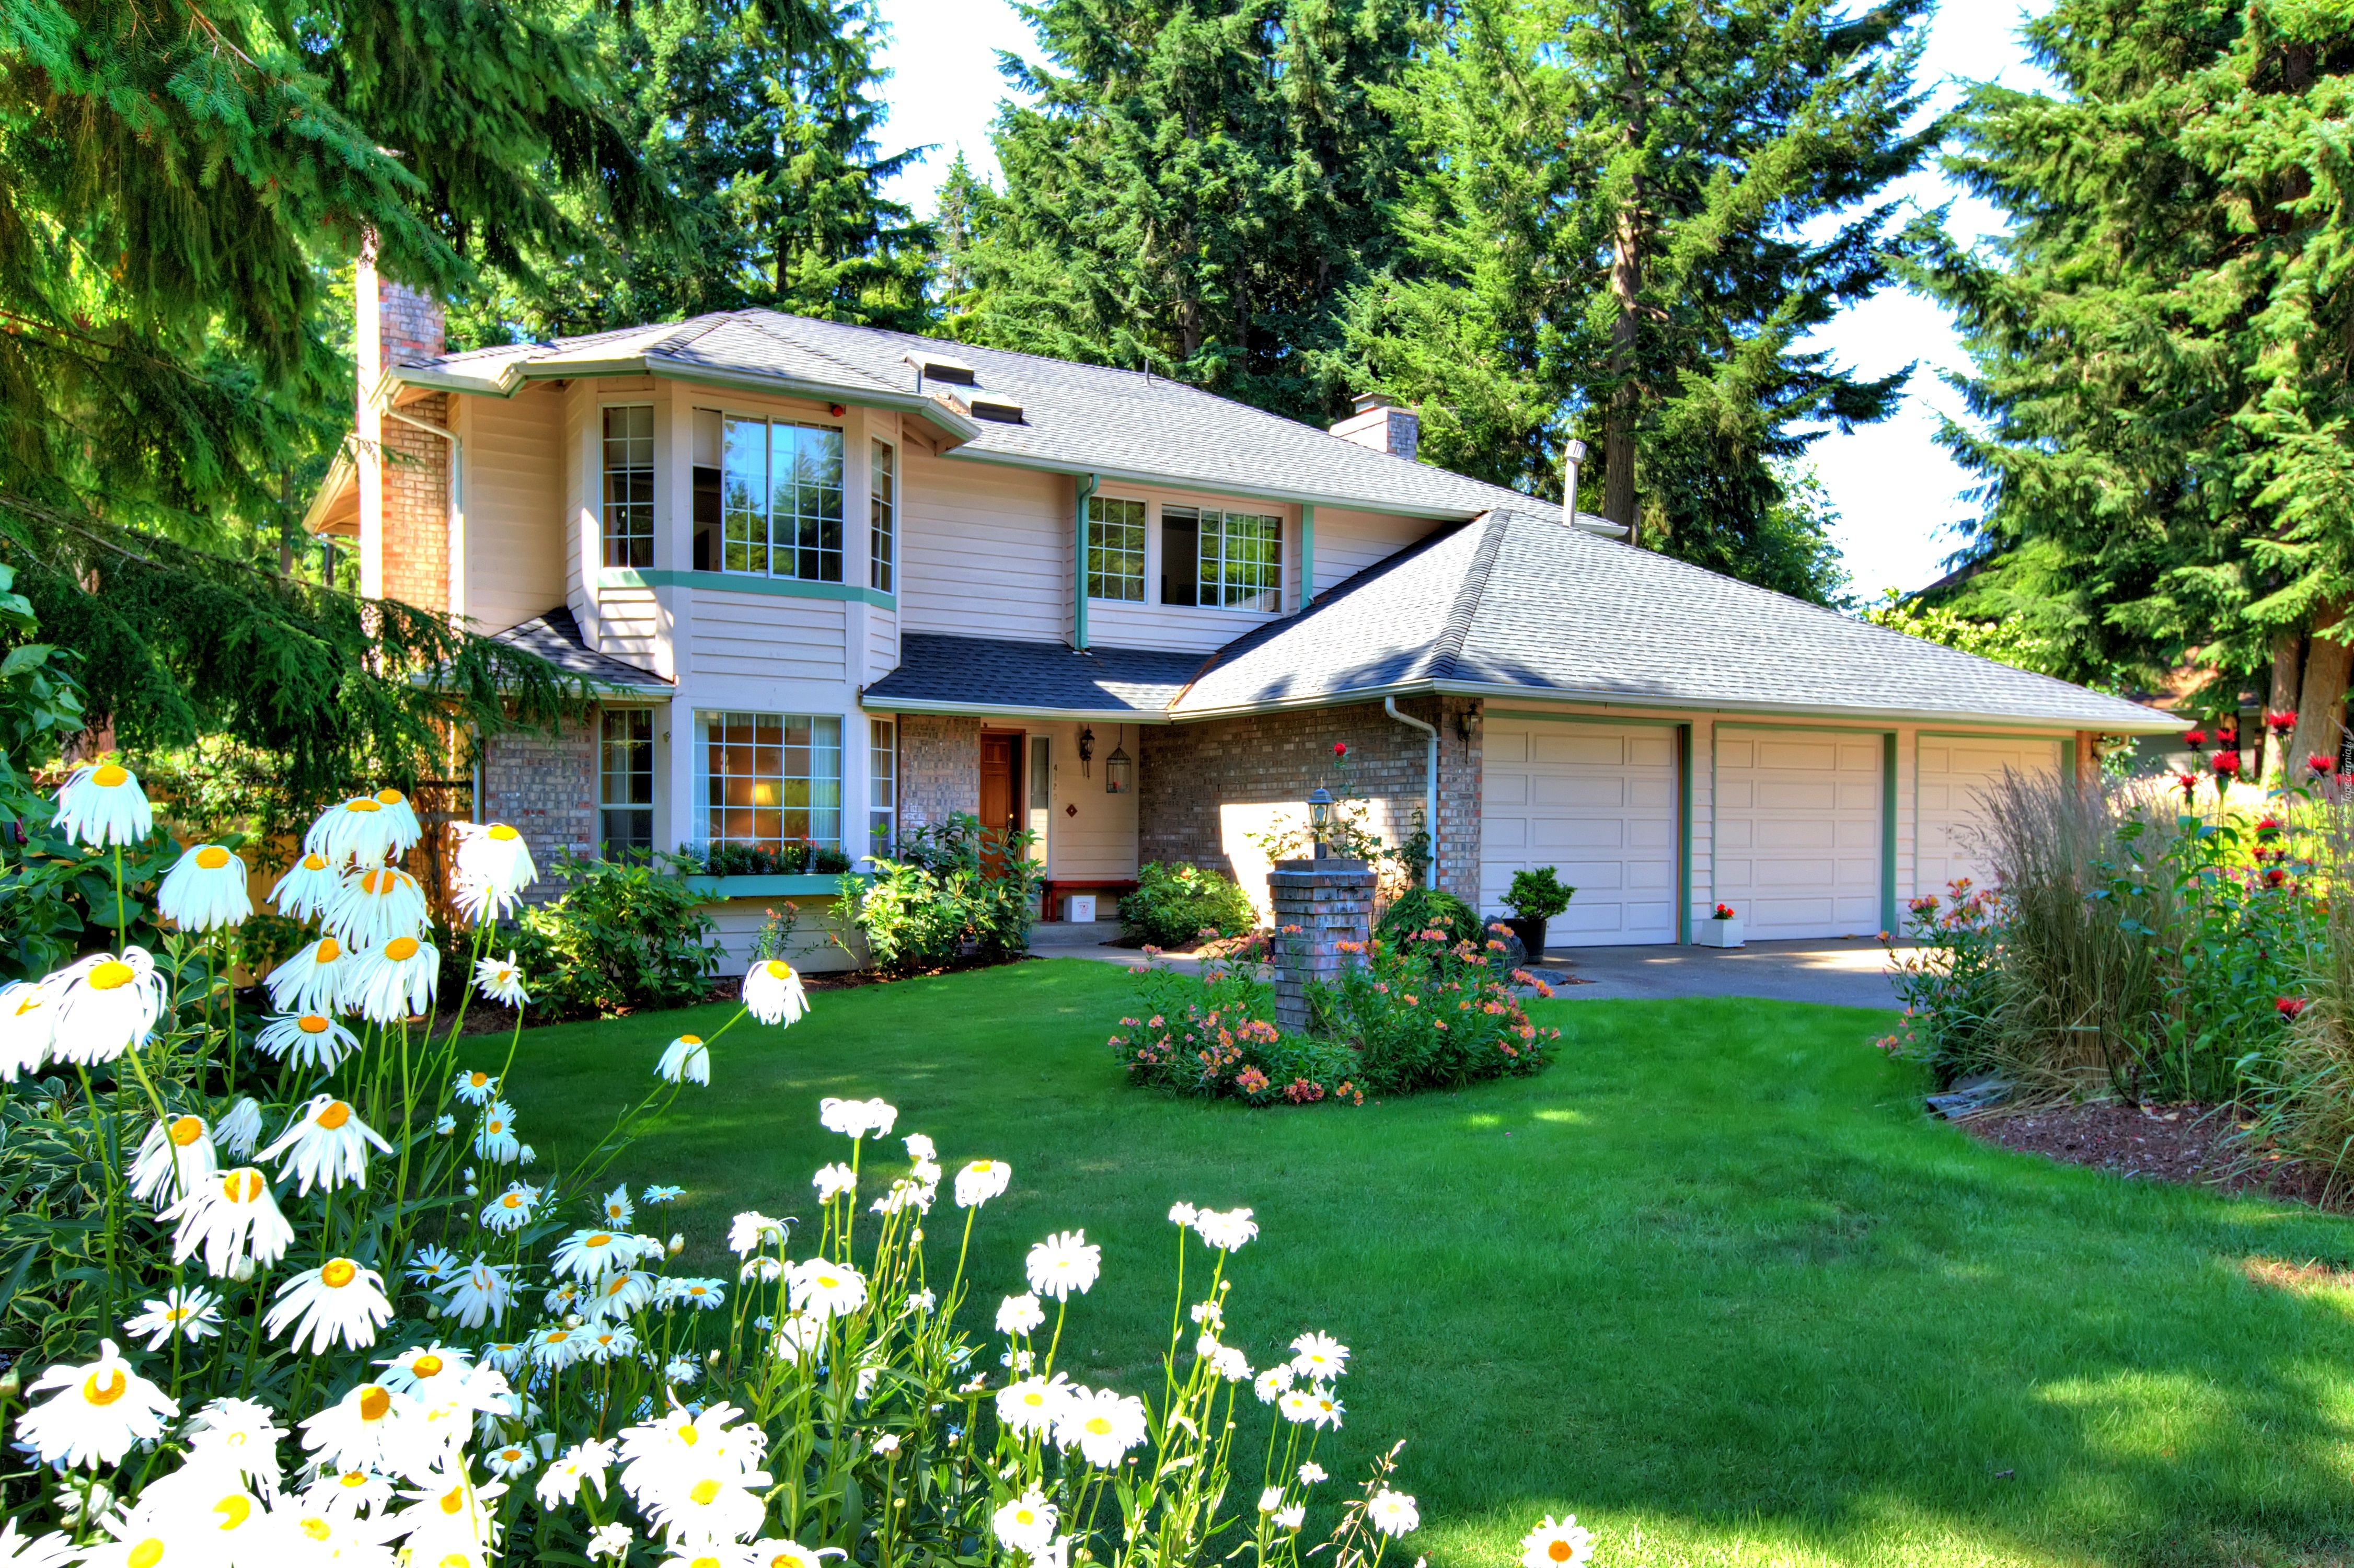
[(1080, 907), (1718, 933)]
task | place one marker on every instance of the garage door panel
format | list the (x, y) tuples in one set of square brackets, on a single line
[(1596, 802), (1953, 776), (1798, 833)]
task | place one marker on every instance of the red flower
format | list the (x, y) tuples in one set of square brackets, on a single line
[(2226, 762), (2323, 767), (1725, 912), (2288, 1006), (2189, 782), (1339, 749), (2275, 877), (1925, 905), (2195, 739), (2280, 724), (2268, 827)]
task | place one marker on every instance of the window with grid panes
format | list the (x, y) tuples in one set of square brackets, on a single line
[(883, 519), (630, 487), (781, 500), (1238, 557), (771, 779), (883, 789), (1115, 549), (625, 794)]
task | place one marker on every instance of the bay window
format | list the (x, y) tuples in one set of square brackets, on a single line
[(781, 500)]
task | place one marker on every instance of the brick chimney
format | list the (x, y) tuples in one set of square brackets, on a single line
[(1382, 424), (408, 510)]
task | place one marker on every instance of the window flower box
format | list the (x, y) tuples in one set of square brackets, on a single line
[(801, 886)]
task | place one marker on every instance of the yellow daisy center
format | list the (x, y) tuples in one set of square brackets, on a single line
[(1024, 1516), (339, 1272), (453, 1499), (510, 1454), (1100, 1425), (400, 949), (312, 1023), (335, 1115), (1558, 1549), (502, 832), (689, 1436), (362, 805), (242, 1186), (557, 1336), (111, 975), (478, 1080), (780, 969), (110, 777), (497, 1126), (105, 1388), (317, 1528), (146, 1554), (314, 862), (353, 1479), (706, 1492), (600, 1239), (212, 857), (187, 1130), (389, 797), (234, 1510), (427, 1365), (690, 1039), (328, 951), (375, 1404), (512, 1200), (697, 1290)]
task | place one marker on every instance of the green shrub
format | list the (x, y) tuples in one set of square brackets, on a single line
[(1429, 1013), (918, 913), (1427, 908), (1173, 904), (790, 860), (1538, 895), (628, 935), (1214, 1035)]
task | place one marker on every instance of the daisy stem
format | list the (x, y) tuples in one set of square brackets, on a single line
[(958, 1281), (1055, 1344)]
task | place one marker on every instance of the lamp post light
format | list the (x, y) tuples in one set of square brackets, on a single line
[(1573, 456), (1319, 816)]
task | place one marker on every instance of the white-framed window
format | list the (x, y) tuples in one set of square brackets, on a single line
[(770, 779), (781, 499), (625, 781), (883, 518), (1115, 548), (630, 486), (1236, 558), (882, 787)]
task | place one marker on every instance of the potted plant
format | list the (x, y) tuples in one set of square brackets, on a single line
[(1536, 898), (1720, 929)]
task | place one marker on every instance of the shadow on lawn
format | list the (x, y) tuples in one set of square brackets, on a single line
[(1712, 1276)]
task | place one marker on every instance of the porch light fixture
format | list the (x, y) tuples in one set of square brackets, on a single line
[(1087, 751), (1118, 772), (1319, 816)]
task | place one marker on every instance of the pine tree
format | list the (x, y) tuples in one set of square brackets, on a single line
[(1630, 212), (2164, 344), (1193, 189)]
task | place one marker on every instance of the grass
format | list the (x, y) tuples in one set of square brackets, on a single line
[(1712, 1279)]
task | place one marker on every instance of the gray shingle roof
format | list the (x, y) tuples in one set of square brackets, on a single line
[(556, 637), (1513, 602), (937, 670), (1076, 418)]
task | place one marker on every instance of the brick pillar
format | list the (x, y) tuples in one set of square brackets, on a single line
[(1319, 904)]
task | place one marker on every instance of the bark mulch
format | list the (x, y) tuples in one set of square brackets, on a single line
[(2190, 1145)]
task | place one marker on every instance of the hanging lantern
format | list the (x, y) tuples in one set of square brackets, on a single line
[(1087, 751), (1118, 772)]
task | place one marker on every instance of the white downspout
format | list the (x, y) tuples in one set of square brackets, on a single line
[(456, 522), (1430, 783)]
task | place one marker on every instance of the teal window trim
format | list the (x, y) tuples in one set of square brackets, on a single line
[(1084, 486), (1307, 555), (741, 582), (1683, 834), (1888, 831)]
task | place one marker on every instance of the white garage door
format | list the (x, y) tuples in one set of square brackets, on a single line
[(1954, 771), (1597, 804), (1797, 831)]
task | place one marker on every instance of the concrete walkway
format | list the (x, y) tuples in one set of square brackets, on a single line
[(1851, 973)]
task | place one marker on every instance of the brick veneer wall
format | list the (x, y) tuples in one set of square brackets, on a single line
[(408, 324), (939, 767), (1185, 772), (544, 785), (416, 505)]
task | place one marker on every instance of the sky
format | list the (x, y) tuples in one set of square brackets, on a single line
[(1898, 494)]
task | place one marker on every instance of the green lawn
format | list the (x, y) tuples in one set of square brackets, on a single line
[(1711, 1277)]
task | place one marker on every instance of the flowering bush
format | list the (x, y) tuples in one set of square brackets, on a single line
[(1431, 1011), (371, 1340), (1215, 1035)]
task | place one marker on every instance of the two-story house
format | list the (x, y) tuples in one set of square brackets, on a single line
[(835, 583)]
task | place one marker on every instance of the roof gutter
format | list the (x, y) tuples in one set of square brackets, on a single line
[(1084, 487), (1430, 785), (874, 704), (1213, 485)]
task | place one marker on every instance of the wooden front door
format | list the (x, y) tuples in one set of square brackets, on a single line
[(1001, 775)]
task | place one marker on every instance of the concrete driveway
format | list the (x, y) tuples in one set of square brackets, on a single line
[(1851, 973)]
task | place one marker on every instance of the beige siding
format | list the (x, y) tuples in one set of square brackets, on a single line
[(631, 625), (1349, 542), (515, 519), (1099, 838), (740, 921), (881, 644), (579, 540), (985, 551), (766, 638)]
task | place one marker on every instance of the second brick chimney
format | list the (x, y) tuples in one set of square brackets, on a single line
[(1382, 424), (407, 507)]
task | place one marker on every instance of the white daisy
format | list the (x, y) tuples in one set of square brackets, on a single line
[(607, 1342), (1271, 1385), (592, 1254), (579, 1467), (325, 1144), (360, 1431), (511, 1208), (685, 1059), (1230, 1363), (360, 829), (1029, 1408), (240, 1129), (175, 1157), (1393, 1513), (336, 1303), (834, 1180), (979, 1182), (395, 981), (663, 1194), (96, 1412), (703, 1295), (1020, 1315), (619, 1293), (798, 1339), (105, 1006), (769, 1553), (347, 1495), (494, 1138), (420, 1369), (481, 1294), (613, 1541), (238, 1434), (617, 1210), (375, 904), (821, 1288), (1551, 1545), (309, 885), (313, 980), (1319, 1358), (773, 993), (1183, 1214), (682, 1370), (235, 1219), (504, 1356), (1311, 1473), (205, 890), (193, 1313), (511, 1462), (308, 1042), (53, 1549), (29, 1021), (1101, 1424), (1227, 1232), (101, 805), (1291, 1518), (494, 868), (1323, 1409), (752, 1230), (1027, 1524), (475, 1088), (501, 980), (1062, 1263)]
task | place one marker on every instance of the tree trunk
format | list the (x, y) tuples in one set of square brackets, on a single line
[(1626, 288), (2321, 702), (2288, 671)]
